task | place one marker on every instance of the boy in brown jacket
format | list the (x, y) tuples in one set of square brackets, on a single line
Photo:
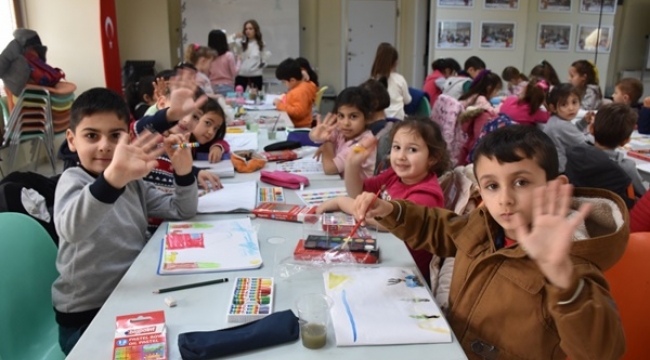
[(527, 279)]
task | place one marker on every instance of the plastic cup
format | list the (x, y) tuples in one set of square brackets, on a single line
[(253, 126), (272, 134), (314, 315)]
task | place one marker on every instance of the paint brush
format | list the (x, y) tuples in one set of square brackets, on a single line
[(358, 222)]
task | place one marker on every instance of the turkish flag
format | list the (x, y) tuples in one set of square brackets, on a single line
[(110, 48)]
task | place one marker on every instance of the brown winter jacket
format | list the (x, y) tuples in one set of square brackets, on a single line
[(500, 304)]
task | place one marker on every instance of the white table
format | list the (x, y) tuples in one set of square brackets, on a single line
[(204, 308)]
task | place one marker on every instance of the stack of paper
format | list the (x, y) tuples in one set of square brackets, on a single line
[(237, 197)]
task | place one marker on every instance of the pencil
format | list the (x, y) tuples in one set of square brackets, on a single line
[(189, 286), (186, 145), (358, 223)]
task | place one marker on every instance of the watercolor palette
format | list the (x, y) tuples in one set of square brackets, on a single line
[(252, 299), (317, 242)]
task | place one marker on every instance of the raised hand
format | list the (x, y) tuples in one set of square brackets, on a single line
[(160, 87), (181, 157), (181, 102), (549, 239), (133, 161), (361, 151), (324, 128)]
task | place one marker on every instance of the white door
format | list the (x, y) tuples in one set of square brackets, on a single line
[(370, 22)]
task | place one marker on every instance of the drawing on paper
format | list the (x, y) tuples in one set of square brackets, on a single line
[(317, 197)]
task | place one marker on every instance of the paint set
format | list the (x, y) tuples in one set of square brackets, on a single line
[(252, 299), (356, 244)]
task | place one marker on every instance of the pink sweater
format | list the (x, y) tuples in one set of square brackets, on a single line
[(223, 70), (519, 112)]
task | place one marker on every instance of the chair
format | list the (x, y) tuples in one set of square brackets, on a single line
[(319, 97), (424, 109), (629, 282), (27, 272)]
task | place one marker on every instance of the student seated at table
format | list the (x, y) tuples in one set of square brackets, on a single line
[(528, 278), (417, 157), (101, 206), (629, 91), (378, 90), (612, 128), (526, 109), (210, 132), (300, 98), (341, 129), (564, 104)]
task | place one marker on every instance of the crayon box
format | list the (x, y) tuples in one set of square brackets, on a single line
[(140, 336), (252, 299)]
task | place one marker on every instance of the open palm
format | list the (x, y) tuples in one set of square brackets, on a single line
[(323, 128)]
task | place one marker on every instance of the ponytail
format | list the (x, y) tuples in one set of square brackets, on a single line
[(535, 94)]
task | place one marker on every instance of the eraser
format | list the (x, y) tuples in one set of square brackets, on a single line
[(170, 301)]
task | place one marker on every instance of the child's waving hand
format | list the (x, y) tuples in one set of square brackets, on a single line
[(182, 102), (133, 161), (361, 151), (324, 128), (549, 238)]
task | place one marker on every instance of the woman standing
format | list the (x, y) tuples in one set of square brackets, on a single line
[(253, 56), (224, 67), (383, 69)]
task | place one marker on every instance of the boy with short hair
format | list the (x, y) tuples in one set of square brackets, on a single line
[(300, 98), (612, 128), (101, 206), (522, 287), (629, 91)]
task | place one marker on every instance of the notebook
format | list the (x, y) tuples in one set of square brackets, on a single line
[(235, 197), (209, 246), (242, 141), (223, 168)]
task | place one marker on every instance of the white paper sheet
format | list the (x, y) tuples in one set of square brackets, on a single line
[(242, 141), (223, 168), (383, 306), (307, 165), (236, 197)]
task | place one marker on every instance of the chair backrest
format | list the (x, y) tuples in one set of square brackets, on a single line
[(27, 271), (424, 109), (629, 282), (319, 97)]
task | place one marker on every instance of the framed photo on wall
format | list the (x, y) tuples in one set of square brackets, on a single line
[(497, 35), (590, 38), (456, 3), (501, 4), (593, 6), (454, 34), (553, 37), (554, 5)]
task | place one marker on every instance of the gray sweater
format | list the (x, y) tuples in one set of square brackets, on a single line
[(102, 230), (564, 135), (629, 166)]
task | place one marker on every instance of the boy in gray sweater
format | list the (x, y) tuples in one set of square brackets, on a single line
[(101, 206)]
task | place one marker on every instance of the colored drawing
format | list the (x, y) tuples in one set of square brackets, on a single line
[(302, 166), (317, 197)]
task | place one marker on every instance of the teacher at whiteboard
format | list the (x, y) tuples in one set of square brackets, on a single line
[(253, 55)]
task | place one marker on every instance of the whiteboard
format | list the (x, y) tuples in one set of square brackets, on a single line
[(278, 19)]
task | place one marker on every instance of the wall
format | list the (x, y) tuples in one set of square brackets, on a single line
[(143, 31), (71, 31), (631, 27)]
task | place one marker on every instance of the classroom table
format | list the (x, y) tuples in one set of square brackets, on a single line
[(640, 141), (204, 308)]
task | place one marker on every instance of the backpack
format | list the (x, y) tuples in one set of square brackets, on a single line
[(500, 121), (15, 187), (445, 112), (42, 73)]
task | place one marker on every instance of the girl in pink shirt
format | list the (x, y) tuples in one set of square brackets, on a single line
[(526, 109), (418, 156), (346, 126), (484, 87), (224, 67)]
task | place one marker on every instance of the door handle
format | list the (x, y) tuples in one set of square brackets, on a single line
[(351, 54)]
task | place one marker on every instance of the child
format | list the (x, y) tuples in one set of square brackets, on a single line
[(224, 67), (516, 81), (140, 96), (526, 108), (380, 102), (384, 66), (522, 287), (563, 104), (485, 86), (308, 74), (473, 66), (101, 207), (346, 126), (418, 156), (441, 71), (629, 91), (612, 128), (546, 71), (457, 83), (584, 76), (201, 57), (210, 132), (300, 97)]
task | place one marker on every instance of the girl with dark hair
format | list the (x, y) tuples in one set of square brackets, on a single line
[(308, 74), (485, 86), (224, 67), (584, 76), (383, 69), (253, 56)]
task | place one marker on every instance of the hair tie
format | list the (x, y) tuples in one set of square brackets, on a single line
[(196, 47), (542, 84)]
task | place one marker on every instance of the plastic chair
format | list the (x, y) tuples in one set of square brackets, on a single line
[(27, 272), (424, 109), (319, 97), (629, 282)]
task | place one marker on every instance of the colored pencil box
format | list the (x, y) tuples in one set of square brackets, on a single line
[(284, 179), (252, 299)]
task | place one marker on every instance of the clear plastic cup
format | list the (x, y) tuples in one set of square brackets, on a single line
[(272, 134), (314, 317)]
